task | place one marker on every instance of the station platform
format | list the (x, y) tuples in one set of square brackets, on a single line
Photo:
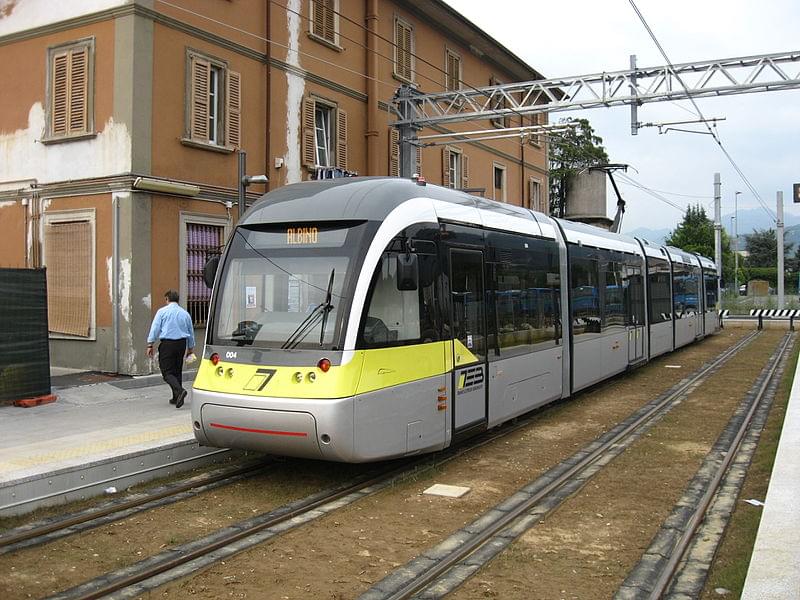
[(774, 571), (95, 437)]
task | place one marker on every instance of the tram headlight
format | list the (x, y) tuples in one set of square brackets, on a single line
[(312, 377), (298, 377)]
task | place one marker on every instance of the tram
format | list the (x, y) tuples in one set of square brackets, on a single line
[(360, 319)]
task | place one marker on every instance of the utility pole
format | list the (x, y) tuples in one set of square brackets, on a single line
[(779, 226), (634, 104), (718, 234), (736, 242)]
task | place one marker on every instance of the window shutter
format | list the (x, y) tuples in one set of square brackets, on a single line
[(464, 171), (394, 152), (318, 18), (200, 74), (407, 56), (341, 139), (68, 256), (445, 167), (308, 149), (59, 87), (233, 112), (78, 90), (330, 21)]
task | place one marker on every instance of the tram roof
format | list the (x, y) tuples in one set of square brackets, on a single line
[(589, 235), (681, 256), (371, 199)]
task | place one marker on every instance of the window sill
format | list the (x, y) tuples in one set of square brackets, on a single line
[(68, 138), (402, 79), (325, 42), (207, 146), (92, 337)]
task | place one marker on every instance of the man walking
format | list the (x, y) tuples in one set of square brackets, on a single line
[(173, 327)]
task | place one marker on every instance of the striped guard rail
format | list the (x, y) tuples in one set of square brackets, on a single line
[(774, 313)]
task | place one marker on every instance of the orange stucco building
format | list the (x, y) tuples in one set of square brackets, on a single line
[(119, 136)]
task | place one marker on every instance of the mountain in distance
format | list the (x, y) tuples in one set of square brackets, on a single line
[(755, 218), (655, 236)]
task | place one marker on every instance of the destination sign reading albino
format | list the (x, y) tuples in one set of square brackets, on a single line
[(302, 235)]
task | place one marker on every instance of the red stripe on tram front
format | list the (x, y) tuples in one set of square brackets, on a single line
[(262, 431)]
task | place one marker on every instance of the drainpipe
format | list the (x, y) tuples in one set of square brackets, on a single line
[(115, 277), (267, 80), (373, 154)]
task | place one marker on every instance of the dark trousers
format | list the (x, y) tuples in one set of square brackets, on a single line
[(170, 361)]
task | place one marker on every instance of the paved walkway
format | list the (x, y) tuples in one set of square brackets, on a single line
[(88, 425)]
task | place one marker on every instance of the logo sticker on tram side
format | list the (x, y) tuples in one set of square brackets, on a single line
[(260, 380), (470, 379)]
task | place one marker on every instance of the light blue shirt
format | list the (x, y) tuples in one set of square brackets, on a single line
[(172, 323)]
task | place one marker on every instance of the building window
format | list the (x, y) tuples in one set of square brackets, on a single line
[(537, 119), (535, 196), (70, 90), (214, 103), (499, 102), (69, 255), (403, 50), (452, 70), (499, 185), (325, 20), (324, 135), (394, 154), (455, 168), (204, 238)]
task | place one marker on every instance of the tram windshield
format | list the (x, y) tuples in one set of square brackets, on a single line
[(287, 286)]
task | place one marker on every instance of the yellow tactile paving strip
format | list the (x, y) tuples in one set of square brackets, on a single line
[(36, 455)]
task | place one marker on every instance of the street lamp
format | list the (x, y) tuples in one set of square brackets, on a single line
[(246, 180), (736, 242)]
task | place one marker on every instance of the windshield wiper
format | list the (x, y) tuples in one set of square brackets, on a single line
[(320, 313)]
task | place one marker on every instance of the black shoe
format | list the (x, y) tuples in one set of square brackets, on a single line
[(173, 400), (181, 398)]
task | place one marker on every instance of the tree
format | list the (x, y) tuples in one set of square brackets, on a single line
[(762, 248), (571, 152), (696, 234)]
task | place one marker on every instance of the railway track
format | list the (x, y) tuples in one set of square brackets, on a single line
[(49, 530), (443, 568), (183, 560), (667, 568)]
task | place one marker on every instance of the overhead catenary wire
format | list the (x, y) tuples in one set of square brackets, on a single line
[(700, 114)]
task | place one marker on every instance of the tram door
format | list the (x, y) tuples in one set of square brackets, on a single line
[(469, 337), (635, 309)]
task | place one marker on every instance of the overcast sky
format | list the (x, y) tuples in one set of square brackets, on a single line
[(761, 131)]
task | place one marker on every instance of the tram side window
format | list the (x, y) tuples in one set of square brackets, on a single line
[(711, 290), (658, 279), (585, 274), (693, 291), (526, 293), (613, 300), (680, 276), (396, 317)]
